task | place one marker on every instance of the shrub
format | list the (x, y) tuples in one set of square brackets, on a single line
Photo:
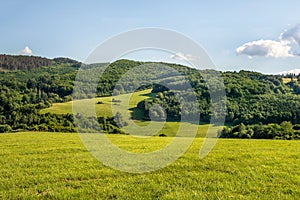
[(5, 128), (285, 130)]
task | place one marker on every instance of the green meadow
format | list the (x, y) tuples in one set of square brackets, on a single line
[(41, 165), (104, 108), (107, 105), (58, 166)]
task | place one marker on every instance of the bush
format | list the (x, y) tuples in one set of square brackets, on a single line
[(5, 128), (296, 127), (285, 130)]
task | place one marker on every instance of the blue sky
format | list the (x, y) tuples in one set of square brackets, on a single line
[(74, 28)]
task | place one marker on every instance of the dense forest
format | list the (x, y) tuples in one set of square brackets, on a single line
[(18, 62), (23, 62), (251, 98), (254, 101)]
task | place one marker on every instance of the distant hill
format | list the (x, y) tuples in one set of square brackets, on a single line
[(62, 60), (251, 97), (10, 62), (20, 62)]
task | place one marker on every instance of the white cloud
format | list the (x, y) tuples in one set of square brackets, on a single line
[(182, 56), (291, 35), (26, 51), (267, 48), (293, 71), (281, 48)]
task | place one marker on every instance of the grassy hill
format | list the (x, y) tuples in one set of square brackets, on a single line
[(105, 109), (57, 166)]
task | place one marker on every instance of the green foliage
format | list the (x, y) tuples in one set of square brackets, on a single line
[(5, 128), (285, 131), (24, 93), (252, 97)]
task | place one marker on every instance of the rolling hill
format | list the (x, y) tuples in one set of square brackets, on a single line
[(38, 98)]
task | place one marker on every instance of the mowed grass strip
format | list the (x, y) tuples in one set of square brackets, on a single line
[(57, 166)]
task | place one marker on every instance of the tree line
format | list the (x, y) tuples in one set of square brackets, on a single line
[(284, 130)]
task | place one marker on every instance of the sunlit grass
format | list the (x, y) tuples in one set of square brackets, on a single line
[(127, 102), (287, 80), (57, 166), (105, 108)]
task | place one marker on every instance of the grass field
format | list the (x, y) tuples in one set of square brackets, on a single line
[(103, 109), (57, 166)]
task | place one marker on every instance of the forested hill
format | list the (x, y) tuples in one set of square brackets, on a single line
[(20, 62), (252, 97)]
